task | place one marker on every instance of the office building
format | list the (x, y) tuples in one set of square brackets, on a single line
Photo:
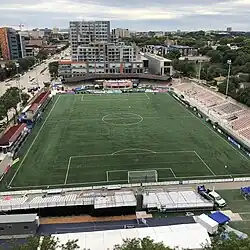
[(120, 33), (12, 44), (229, 29), (83, 33), (159, 65)]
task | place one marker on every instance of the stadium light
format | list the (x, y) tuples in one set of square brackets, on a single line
[(229, 62)]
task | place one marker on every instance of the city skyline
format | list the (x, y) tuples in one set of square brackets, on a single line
[(135, 15)]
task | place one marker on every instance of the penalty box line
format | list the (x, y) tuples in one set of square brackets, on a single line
[(209, 169), (141, 153)]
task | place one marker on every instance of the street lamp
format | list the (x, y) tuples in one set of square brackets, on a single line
[(229, 62), (18, 84), (36, 62)]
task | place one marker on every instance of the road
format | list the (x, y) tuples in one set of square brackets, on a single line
[(25, 80)]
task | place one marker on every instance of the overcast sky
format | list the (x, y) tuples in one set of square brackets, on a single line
[(140, 15)]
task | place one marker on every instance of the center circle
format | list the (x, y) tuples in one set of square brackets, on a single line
[(122, 119)]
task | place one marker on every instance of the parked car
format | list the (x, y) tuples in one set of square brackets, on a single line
[(211, 195)]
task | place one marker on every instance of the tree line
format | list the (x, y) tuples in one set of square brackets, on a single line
[(10, 100), (53, 243)]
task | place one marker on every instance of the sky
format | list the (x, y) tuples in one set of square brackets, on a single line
[(136, 15)]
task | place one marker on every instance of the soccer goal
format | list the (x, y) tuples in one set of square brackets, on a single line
[(142, 176)]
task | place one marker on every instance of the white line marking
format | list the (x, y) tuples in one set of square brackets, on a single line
[(67, 173), (107, 175), (213, 131), (133, 149), (205, 163), (147, 96), (100, 155), (173, 172), (21, 163)]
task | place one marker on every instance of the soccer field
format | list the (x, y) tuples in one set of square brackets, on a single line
[(121, 138)]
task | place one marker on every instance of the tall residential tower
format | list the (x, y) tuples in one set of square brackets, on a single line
[(12, 44), (83, 33)]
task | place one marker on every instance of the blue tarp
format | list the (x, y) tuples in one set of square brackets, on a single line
[(245, 190), (219, 217)]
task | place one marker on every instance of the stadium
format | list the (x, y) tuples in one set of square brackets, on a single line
[(89, 150)]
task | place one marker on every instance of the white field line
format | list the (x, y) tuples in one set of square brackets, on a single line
[(133, 149), (68, 184), (214, 132), (147, 96), (143, 153), (173, 173), (204, 163), (107, 175), (31, 145), (67, 173)]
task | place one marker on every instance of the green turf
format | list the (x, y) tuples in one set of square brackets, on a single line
[(91, 139), (238, 204)]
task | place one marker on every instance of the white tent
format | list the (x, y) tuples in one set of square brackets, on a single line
[(185, 236)]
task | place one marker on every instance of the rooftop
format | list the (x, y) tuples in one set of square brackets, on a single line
[(17, 218), (160, 58), (185, 236), (11, 134)]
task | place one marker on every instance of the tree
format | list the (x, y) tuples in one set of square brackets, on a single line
[(144, 244), (232, 243), (42, 55), (232, 87), (13, 97), (2, 112), (215, 56), (25, 97), (48, 243), (173, 54), (53, 69), (70, 245)]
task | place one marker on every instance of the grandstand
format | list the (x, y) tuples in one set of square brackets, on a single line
[(231, 115)]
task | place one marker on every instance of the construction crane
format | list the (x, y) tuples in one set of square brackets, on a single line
[(21, 25)]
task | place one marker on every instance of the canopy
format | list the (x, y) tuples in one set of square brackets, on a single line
[(219, 217)]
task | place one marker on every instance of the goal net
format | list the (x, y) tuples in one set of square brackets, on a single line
[(142, 176)]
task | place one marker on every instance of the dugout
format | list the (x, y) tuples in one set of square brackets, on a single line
[(18, 225), (12, 139), (33, 111)]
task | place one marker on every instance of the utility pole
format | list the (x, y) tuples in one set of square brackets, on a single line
[(229, 62), (199, 73), (18, 84)]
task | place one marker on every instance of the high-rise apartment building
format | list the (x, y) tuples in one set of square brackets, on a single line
[(84, 32), (12, 44), (93, 52)]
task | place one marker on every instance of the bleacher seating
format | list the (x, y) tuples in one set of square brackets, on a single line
[(241, 123), (229, 108), (10, 201), (54, 199), (245, 133), (236, 116)]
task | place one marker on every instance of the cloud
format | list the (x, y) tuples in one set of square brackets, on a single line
[(156, 15)]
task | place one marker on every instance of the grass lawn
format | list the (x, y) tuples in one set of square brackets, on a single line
[(238, 204), (97, 140)]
